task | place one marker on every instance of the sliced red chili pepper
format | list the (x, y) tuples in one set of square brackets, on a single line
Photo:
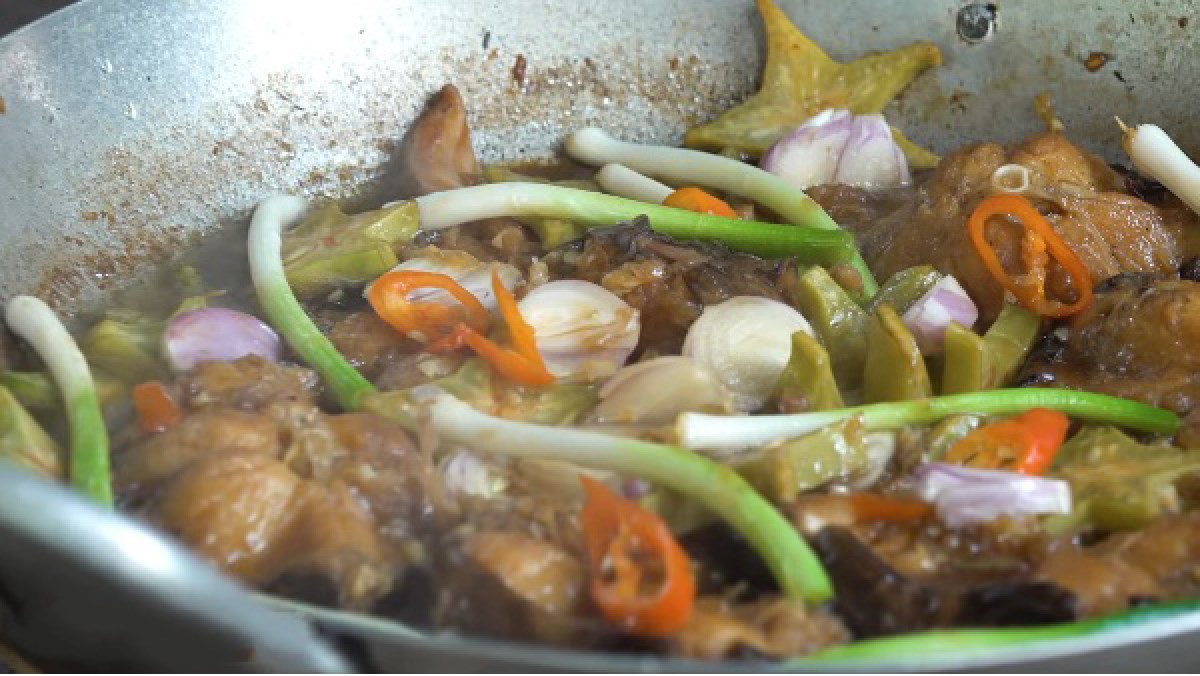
[(523, 363), (641, 579), (1039, 245), (1026, 443), (446, 330)]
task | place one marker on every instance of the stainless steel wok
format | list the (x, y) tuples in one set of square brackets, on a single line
[(128, 128)]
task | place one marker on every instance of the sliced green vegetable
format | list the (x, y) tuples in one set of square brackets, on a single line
[(331, 249), (1009, 340), (1120, 484), (906, 287), (807, 382), (127, 346), (556, 404), (24, 443), (535, 200), (786, 470), (718, 488), (37, 324), (965, 361), (838, 320), (971, 362), (894, 369), (37, 392)]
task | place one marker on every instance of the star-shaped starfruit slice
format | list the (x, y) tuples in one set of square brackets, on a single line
[(800, 80)]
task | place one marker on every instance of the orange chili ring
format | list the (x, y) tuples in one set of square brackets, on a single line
[(1040, 238), (695, 199), (388, 296), (641, 579), (446, 330)]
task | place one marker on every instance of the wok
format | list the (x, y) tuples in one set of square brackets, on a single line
[(129, 129)]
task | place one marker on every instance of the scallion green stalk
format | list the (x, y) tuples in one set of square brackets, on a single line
[(948, 649), (282, 309), (725, 434), (36, 323), (807, 243), (682, 166)]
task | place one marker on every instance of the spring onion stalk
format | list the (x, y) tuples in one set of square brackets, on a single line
[(622, 181), (682, 166), (524, 200), (36, 323), (944, 648), (1156, 155), (282, 309), (719, 488), (726, 434), (796, 568)]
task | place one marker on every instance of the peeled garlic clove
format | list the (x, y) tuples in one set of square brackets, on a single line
[(462, 267), (746, 342), (657, 390), (583, 331)]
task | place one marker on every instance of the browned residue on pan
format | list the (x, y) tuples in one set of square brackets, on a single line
[(1096, 60), (153, 196), (518, 70)]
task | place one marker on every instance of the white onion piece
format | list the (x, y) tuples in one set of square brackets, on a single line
[(871, 158), (836, 146), (472, 275), (746, 342), (584, 332), (1156, 155), (928, 317), (217, 334), (658, 390), (808, 155), (965, 495)]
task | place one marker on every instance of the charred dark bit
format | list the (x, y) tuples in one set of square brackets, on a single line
[(871, 597), (1036, 378), (1014, 604), (310, 587), (1190, 270), (1126, 280), (1141, 187), (729, 562)]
